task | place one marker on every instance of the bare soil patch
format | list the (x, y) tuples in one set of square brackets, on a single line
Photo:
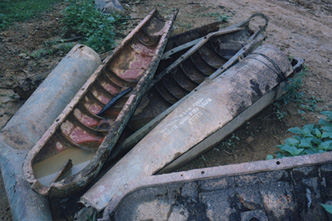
[(300, 28)]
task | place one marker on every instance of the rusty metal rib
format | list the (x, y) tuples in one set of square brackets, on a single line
[(147, 39), (205, 60), (165, 94), (193, 74), (104, 78), (183, 80), (172, 87), (98, 87), (94, 99), (65, 141), (90, 130), (231, 50), (84, 110), (201, 65), (115, 79), (211, 57)]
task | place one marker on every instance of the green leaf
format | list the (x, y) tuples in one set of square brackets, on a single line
[(327, 113), (306, 132), (318, 133), (269, 157), (309, 127), (306, 142), (292, 141), (111, 19), (309, 151), (327, 128), (323, 122), (312, 151), (293, 151), (280, 155), (326, 145), (316, 141), (297, 137), (328, 208), (327, 135), (295, 130)]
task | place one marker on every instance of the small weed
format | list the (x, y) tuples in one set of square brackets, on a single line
[(309, 104), (14, 96), (294, 94), (43, 52), (37, 54), (98, 30), (312, 138), (230, 141)]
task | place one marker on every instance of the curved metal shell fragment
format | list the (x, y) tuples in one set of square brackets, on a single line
[(82, 134)]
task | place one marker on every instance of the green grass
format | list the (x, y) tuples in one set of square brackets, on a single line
[(18, 10)]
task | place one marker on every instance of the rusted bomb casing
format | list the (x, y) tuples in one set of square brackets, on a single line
[(81, 129), (31, 121), (199, 117)]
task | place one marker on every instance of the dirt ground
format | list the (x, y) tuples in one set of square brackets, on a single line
[(300, 28)]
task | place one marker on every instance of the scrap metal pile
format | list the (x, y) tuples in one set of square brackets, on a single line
[(154, 104)]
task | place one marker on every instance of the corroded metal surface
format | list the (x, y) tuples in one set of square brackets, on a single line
[(206, 111), (231, 44), (79, 128), (281, 189)]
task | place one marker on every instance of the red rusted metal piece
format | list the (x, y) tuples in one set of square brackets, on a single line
[(79, 128)]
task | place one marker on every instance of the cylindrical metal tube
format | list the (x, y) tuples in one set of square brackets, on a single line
[(31, 121)]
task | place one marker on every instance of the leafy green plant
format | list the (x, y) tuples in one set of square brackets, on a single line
[(312, 138), (98, 30)]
